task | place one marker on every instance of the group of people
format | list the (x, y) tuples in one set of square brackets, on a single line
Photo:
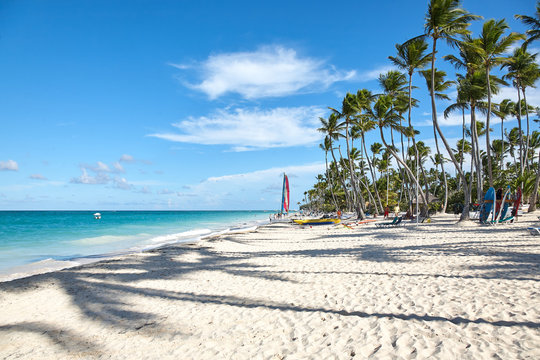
[(387, 211)]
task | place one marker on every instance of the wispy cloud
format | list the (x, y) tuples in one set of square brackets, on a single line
[(237, 190), (508, 92), (85, 178), (250, 129), (37, 177), (375, 73), (9, 165), (127, 158), (270, 71), (259, 175), (121, 183)]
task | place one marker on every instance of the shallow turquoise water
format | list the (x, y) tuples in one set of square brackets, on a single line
[(31, 236)]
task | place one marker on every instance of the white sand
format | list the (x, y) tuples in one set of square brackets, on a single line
[(285, 292)]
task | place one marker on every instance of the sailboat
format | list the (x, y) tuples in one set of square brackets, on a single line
[(285, 195)]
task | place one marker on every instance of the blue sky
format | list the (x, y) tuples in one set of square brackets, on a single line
[(190, 104)]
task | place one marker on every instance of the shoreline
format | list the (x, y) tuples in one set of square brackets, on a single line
[(51, 264), (288, 292)]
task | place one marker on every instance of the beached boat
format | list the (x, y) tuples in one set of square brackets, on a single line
[(317, 221)]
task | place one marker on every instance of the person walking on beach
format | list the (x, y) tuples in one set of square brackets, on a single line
[(396, 210), (386, 212)]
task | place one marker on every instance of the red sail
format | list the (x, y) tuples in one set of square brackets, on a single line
[(285, 195)]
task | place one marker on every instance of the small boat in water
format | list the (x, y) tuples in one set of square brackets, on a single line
[(317, 221), (97, 216)]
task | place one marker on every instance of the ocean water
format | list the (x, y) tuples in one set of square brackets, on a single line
[(38, 237)]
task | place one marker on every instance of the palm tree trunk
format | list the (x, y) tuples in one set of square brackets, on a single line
[(502, 143), (374, 177), (340, 176), (358, 198), (527, 115), (488, 118), (422, 195), (476, 152), (465, 213), (462, 144), (442, 170), (520, 136), (329, 179), (532, 201)]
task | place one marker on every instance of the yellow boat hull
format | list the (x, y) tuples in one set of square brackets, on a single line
[(317, 221)]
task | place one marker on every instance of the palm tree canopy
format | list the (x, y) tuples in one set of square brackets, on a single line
[(331, 126), (469, 59), (440, 84), (505, 108), (519, 65), (393, 82), (411, 55), (492, 43), (533, 23), (445, 19)]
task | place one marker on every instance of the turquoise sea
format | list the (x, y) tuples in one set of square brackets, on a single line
[(38, 237)]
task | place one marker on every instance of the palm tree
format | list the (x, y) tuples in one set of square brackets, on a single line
[(410, 57), (504, 109), (440, 86), (534, 23), (521, 67), (332, 128), (348, 110), (384, 115), (445, 20), (364, 124), (513, 138), (490, 46), (327, 146)]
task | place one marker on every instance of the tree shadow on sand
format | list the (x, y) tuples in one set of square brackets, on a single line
[(105, 291)]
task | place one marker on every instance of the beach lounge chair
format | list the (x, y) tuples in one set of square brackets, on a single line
[(397, 220), (534, 230)]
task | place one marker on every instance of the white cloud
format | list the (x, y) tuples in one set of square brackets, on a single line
[(249, 129), (508, 92), (126, 158), (375, 73), (270, 71), (118, 167), (99, 178), (9, 165), (37, 177), (165, 192), (237, 190), (121, 183), (260, 175)]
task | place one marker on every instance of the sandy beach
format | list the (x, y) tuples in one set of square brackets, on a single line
[(439, 290)]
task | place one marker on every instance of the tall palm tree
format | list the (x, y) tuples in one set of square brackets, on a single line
[(534, 23), (411, 56), (489, 47), (364, 124), (440, 86), (445, 20), (384, 115), (332, 128), (520, 67), (348, 110), (327, 146), (504, 109)]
